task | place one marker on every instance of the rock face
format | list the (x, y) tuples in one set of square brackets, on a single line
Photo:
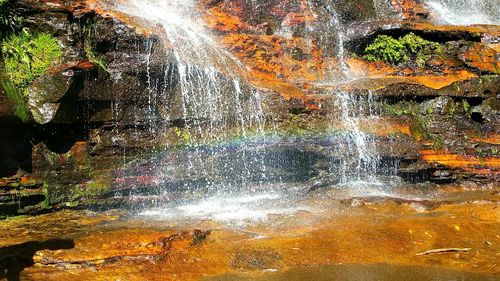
[(96, 131)]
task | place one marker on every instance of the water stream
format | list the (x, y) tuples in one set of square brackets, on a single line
[(465, 12)]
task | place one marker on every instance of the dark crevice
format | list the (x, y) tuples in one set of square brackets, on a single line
[(475, 101), (477, 117)]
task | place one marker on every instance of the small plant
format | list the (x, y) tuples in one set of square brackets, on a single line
[(420, 48), (182, 133), (88, 47), (467, 108), (101, 65), (385, 48), (16, 95), (28, 56), (9, 21), (406, 48)]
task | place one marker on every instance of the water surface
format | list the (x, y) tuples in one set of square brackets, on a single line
[(378, 272)]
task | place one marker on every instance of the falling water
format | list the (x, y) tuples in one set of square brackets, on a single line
[(465, 12), (214, 104), (361, 158), (362, 163)]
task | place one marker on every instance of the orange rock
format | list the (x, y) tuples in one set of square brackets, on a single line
[(410, 9), (482, 57), (84, 65), (466, 162), (383, 231), (219, 20), (491, 138), (275, 63), (388, 74)]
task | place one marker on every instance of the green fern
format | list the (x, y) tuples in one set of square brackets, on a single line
[(29, 56)]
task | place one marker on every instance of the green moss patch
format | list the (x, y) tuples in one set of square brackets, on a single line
[(405, 49), (385, 48)]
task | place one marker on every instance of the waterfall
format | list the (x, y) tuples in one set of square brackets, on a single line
[(361, 158), (198, 58), (465, 12), (361, 162), (214, 104)]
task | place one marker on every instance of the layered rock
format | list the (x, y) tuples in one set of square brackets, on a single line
[(91, 128)]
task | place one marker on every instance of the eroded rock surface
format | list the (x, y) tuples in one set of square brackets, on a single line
[(353, 230), (93, 132)]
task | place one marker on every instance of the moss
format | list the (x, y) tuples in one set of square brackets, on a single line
[(452, 109), (15, 218), (90, 190), (467, 108), (28, 56), (418, 129), (415, 44), (15, 184), (182, 134), (438, 143), (407, 48), (46, 204), (400, 108), (385, 48), (295, 128)]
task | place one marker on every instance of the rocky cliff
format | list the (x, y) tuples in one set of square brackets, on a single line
[(96, 118)]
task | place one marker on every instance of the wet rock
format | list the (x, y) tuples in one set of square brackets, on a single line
[(410, 9), (44, 95), (95, 121), (264, 259), (380, 230)]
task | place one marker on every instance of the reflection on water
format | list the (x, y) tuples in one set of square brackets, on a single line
[(261, 203), (380, 272), (234, 210)]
